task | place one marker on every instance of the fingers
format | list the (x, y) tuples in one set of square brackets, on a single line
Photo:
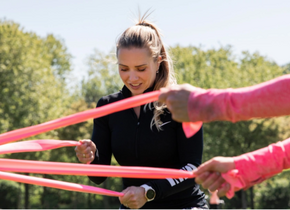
[(164, 93), (222, 191), (202, 177), (133, 197), (125, 197), (217, 164), (86, 151), (208, 166), (84, 144), (125, 200), (216, 184), (213, 181), (176, 99), (86, 157), (209, 174)]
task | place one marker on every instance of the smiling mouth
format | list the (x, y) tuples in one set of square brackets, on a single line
[(135, 86)]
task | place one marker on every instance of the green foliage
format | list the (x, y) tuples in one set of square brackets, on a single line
[(30, 91), (205, 69), (103, 77), (231, 139), (8, 194), (274, 193), (287, 69), (220, 68)]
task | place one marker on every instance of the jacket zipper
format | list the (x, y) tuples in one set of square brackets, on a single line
[(137, 132), (136, 140)]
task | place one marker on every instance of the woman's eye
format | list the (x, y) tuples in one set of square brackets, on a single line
[(141, 69), (123, 69)]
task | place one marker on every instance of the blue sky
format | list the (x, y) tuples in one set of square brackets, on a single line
[(252, 25)]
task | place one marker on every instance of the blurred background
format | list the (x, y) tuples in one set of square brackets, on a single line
[(58, 58)]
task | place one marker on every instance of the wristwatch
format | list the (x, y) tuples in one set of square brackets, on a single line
[(149, 192)]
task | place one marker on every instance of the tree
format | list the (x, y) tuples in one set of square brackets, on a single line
[(274, 193), (8, 193), (32, 84), (287, 69), (103, 77), (31, 91)]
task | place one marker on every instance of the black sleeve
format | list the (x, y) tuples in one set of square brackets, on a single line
[(190, 156), (102, 139)]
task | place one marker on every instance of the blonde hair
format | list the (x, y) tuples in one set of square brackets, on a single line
[(146, 35)]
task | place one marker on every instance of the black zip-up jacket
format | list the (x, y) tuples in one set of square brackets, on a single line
[(133, 143)]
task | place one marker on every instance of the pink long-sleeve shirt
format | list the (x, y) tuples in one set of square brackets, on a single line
[(254, 167), (268, 99)]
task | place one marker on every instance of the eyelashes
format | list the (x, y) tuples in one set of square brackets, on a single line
[(137, 69)]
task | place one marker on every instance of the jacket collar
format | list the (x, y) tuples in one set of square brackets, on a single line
[(127, 93)]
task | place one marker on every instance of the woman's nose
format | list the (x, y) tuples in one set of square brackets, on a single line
[(133, 77)]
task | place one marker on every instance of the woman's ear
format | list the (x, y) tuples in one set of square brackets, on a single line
[(159, 60)]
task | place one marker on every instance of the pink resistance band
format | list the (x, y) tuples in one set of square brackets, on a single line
[(93, 113), (41, 145), (36, 145), (57, 184), (234, 180), (44, 167), (72, 168), (81, 169)]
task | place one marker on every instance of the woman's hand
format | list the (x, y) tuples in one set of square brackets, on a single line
[(134, 197), (209, 174), (86, 151)]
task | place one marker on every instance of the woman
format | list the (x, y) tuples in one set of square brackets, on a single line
[(145, 135), (268, 99)]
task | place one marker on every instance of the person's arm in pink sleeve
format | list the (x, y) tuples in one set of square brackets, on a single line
[(244, 171), (254, 167), (268, 99)]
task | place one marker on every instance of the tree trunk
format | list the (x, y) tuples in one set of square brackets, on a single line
[(19, 197), (75, 200), (106, 198), (26, 199), (89, 196), (89, 204), (244, 199), (43, 196), (252, 197)]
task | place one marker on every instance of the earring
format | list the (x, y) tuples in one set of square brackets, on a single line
[(157, 71)]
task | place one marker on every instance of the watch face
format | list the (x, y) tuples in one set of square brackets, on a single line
[(150, 194)]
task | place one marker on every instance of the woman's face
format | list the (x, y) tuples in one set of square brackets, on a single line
[(137, 69)]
